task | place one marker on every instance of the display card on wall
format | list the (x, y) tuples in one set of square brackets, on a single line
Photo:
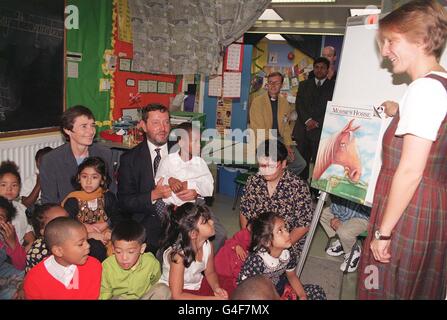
[(169, 88), (215, 86), (223, 115), (232, 84), (125, 64), (161, 87), (142, 86), (234, 57), (152, 86)]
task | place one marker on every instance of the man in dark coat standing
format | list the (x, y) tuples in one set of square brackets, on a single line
[(313, 95)]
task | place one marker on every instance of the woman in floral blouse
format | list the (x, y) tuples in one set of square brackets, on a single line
[(276, 189)]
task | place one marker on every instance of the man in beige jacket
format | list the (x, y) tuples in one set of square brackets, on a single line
[(271, 111)]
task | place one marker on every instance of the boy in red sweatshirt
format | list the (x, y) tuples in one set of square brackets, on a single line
[(69, 273)]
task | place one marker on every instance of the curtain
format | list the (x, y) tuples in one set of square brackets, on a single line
[(307, 44), (188, 36)]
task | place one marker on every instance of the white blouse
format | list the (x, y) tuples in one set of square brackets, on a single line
[(192, 278), (423, 108)]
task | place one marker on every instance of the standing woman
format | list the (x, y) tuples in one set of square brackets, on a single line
[(406, 249)]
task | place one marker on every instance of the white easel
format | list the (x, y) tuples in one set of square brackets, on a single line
[(310, 234)]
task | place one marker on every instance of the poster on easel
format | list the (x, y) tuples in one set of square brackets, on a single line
[(349, 155)]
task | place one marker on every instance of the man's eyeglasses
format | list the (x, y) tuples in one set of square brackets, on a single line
[(274, 83)]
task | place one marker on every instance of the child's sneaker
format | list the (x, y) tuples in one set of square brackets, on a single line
[(355, 259), (335, 249)]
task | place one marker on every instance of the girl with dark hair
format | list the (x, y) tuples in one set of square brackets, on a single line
[(42, 215), (270, 256), (93, 205), (12, 255), (188, 253), (10, 184)]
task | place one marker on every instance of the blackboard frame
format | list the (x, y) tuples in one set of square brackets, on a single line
[(40, 25)]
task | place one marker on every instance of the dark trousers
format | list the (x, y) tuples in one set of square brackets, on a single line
[(308, 149), (154, 234)]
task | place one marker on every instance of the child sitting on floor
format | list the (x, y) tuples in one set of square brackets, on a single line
[(42, 214), (269, 255), (130, 273), (10, 184), (69, 273), (11, 275), (188, 255), (93, 205), (346, 220)]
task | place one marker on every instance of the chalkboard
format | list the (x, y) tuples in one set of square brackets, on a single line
[(31, 64)]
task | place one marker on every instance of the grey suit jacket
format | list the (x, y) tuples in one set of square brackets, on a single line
[(59, 166)]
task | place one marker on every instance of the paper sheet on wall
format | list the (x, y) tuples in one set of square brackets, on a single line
[(215, 86), (169, 87), (232, 84), (72, 70), (234, 52), (125, 64), (152, 86), (142, 86), (223, 115), (161, 87), (104, 84)]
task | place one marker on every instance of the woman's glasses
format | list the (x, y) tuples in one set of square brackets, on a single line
[(269, 165)]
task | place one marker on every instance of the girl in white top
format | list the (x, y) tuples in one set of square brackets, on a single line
[(10, 188), (185, 169), (188, 253)]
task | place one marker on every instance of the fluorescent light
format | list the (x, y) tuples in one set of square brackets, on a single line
[(364, 12), (300, 1), (270, 14), (275, 37)]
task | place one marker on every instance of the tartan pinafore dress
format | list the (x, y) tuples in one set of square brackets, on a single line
[(418, 266)]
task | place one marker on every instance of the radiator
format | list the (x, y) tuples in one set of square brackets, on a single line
[(23, 150)]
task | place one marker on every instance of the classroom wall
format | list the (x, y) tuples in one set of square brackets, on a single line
[(240, 105), (93, 37), (261, 66), (103, 38)]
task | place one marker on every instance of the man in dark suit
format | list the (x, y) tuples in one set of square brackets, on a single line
[(311, 100), (138, 194)]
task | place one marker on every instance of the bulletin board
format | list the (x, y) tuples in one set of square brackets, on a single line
[(31, 64), (149, 88)]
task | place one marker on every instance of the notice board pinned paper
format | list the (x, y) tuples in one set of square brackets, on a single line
[(72, 70), (232, 84)]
